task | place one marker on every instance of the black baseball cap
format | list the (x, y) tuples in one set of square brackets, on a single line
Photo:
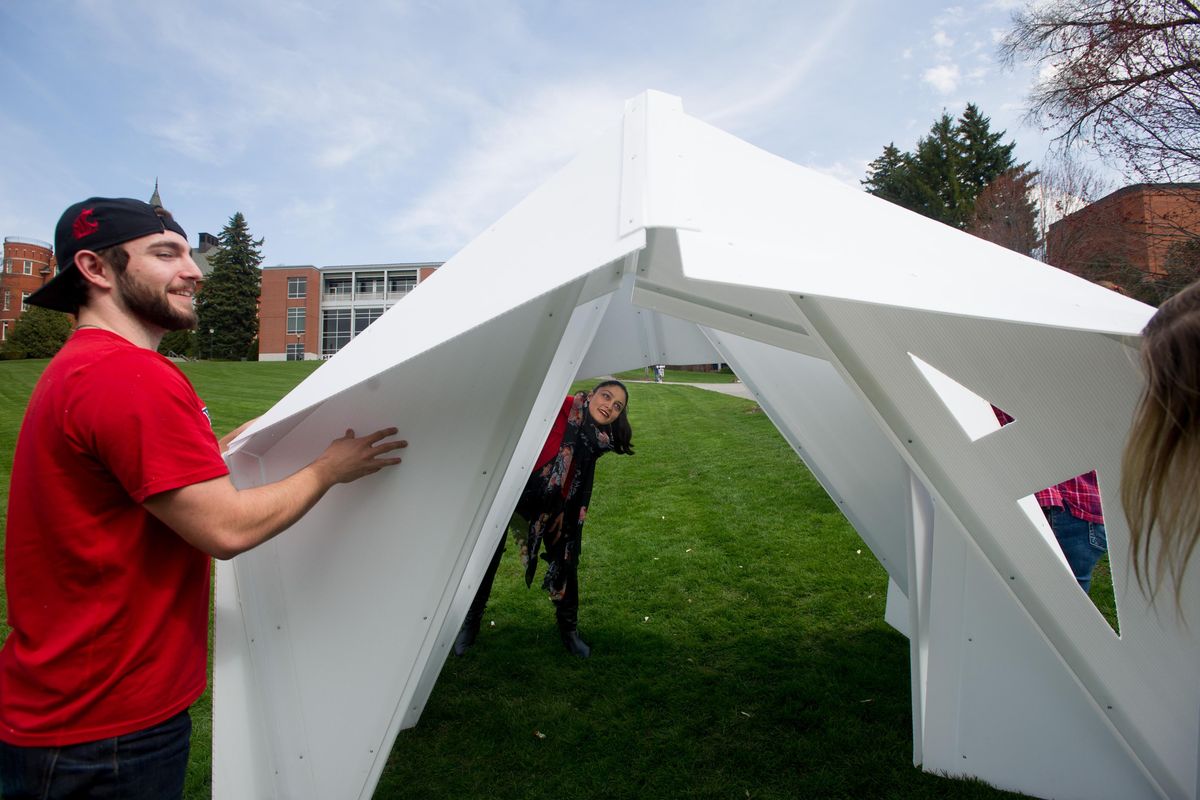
[(95, 224)]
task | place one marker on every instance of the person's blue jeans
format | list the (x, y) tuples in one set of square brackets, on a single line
[(1082, 542), (149, 764)]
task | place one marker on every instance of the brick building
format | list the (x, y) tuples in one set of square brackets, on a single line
[(308, 312), (27, 264), (1134, 226)]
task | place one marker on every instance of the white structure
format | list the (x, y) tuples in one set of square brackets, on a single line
[(669, 241)]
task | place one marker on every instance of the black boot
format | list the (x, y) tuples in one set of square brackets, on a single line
[(575, 646), (568, 631), (468, 631), (470, 627)]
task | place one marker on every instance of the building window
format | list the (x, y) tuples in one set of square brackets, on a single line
[(24, 302), (3, 330), (297, 288), (401, 283), (364, 317), (8, 265), (295, 320), (295, 352), (336, 330), (339, 285), (28, 269), (7, 300), (369, 284)]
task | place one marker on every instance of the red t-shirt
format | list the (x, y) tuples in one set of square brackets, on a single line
[(108, 606)]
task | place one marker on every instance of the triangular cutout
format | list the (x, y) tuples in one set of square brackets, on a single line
[(975, 415), (1070, 516)]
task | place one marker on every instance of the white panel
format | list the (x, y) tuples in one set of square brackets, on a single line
[(579, 333), (795, 230), (920, 520), (632, 337), (896, 611), (332, 635), (996, 675), (1072, 393)]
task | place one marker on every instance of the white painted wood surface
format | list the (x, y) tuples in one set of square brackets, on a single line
[(669, 241)]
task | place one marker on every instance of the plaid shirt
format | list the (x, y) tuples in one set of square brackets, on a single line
[(1080, 495)]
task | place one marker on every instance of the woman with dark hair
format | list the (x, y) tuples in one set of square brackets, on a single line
[(554, 505), (1160, 471)]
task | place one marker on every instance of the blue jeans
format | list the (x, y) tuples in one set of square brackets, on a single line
[(1082, 542), (149, 764)]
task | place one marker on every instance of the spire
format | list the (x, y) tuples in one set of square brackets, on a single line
[(155, 200)]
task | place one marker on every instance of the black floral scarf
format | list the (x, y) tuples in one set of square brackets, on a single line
[(544, 500)]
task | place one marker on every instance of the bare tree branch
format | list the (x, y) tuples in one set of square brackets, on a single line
[(1123, 74)]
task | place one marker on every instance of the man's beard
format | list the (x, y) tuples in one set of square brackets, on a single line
[(153, 306)]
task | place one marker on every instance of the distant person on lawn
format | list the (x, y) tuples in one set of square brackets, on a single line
[(119, 497)]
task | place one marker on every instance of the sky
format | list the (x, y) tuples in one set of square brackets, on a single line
[(397, 130)]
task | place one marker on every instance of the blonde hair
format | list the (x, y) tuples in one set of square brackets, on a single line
[(1160, 469)]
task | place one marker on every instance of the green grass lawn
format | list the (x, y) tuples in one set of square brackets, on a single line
[(676, 376), (739, 648)]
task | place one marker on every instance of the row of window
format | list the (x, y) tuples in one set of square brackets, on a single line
[(8, 301), (340, 325), (20, 266), (401, 283), (396, 282)]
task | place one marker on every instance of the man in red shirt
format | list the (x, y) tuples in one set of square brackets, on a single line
[(119, 498)]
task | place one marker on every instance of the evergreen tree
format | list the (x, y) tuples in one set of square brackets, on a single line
[(937, 165), (39, 333), (949, 169), (178, 343), (227, 305), (890, 176), (984, 157)]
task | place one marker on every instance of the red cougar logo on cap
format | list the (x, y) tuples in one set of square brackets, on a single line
[(84, 225)]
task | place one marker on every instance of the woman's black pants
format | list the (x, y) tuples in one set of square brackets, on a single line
[(566, 610)]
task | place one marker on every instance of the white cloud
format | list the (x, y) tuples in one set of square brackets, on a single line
[(850, 174), (769, 94), (944, 77), (510, 153), (942, 41)]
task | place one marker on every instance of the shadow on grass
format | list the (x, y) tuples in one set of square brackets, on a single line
[(764, 710)]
